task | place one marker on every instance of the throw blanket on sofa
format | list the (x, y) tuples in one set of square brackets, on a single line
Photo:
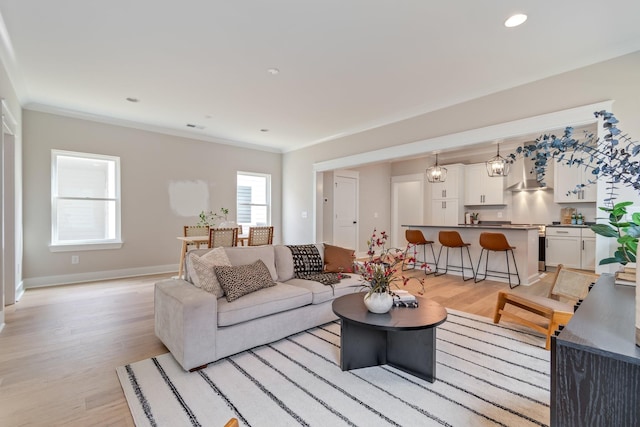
[(307, 264)]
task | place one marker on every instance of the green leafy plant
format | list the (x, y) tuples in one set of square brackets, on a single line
[(611, 158), (210, 218), (625, 232)]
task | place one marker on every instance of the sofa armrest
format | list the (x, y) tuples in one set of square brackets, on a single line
[(186, 322)]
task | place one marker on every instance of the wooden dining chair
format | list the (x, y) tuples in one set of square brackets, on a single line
[(260, 236), (195, 230), (571, 285), (223, 237)]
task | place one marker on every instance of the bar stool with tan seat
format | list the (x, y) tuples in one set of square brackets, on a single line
[(452, 239), (496, 242), (415, 238)]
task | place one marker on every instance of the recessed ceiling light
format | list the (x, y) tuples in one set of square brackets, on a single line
[(273, 71), (515, 20), (130, 99)]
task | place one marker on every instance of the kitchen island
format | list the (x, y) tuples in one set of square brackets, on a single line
[(523, 237)]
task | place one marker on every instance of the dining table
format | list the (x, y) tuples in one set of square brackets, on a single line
[(186, 241)]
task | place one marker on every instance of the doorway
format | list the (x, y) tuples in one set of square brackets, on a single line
[(345, 209), (407, 205)]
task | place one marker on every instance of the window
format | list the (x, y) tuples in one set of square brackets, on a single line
[(85, 201), (254, 199)]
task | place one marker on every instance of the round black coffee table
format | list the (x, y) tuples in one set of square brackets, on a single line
[(404, 338)]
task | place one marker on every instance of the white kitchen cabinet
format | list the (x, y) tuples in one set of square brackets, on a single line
[(482, 189), (446, 197), (573, 247), (588, 249), (452, 187), (445, 212), (565, 180)]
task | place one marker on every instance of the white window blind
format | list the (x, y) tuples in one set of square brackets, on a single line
[(253, 198), (85, 200)]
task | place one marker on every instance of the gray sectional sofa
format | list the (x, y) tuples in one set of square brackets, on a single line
[(199, 328)]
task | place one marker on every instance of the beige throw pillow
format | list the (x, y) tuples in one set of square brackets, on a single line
[(204, 275)]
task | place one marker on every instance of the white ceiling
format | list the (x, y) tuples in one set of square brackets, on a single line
[(345, 65)]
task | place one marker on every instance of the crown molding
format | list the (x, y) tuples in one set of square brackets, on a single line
[(50, 109)]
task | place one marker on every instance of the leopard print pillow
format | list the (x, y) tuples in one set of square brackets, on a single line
[(243, 279)]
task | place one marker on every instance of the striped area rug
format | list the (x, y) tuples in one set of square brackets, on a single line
[(487, 375)]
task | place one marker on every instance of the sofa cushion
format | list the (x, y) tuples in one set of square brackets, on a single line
[(322, 293), (275, 299), (241, 280), (243, 255), (203, 275), (284, 261), (338, 260), (306, 260)]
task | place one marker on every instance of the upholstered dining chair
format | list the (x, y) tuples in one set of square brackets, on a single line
[(571, 285), (223, 237), (260, 236), (195, 230)]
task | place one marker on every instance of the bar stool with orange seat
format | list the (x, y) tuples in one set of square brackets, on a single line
[(496, 242), (452, 239), (415, 238)]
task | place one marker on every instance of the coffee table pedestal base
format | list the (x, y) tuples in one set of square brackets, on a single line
[(413, 352)]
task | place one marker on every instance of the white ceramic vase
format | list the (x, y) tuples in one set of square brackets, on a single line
[(378, 303)]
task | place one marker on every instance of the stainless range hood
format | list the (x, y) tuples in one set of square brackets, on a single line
[(521, 177)]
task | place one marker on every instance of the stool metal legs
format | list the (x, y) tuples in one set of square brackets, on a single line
[(424, 257), (460, 267), (501, 274)]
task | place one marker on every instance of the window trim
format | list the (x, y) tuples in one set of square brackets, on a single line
[(76, 245), (267, 177)]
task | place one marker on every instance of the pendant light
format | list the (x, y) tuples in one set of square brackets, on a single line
[(498, 166), (436, 173)]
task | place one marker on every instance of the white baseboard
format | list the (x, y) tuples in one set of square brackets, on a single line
[(20, 291), (67, 279)]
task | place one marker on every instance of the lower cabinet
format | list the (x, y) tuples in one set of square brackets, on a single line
[(573, 247)]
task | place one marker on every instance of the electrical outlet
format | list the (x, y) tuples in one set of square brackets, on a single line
[(75, 259), (499, 214)]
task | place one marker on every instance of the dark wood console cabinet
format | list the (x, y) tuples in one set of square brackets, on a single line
[(595, 364)]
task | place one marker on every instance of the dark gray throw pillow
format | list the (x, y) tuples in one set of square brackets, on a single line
[(243, 279)]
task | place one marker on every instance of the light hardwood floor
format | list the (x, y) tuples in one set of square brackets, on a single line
[(61, 345)]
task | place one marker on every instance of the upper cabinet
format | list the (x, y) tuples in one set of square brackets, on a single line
[(566, 179), (482, 189), (452, 187)]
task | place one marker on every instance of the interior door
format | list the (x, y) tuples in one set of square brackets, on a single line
[(407, 205), (345, 209)]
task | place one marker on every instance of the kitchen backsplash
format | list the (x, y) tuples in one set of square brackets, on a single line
[(533, 207)]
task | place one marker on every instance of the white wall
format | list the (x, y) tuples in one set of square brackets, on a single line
[(615, 79), (160, 175), (11, 230)]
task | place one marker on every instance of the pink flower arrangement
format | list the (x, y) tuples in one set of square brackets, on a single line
[(381, 271)]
